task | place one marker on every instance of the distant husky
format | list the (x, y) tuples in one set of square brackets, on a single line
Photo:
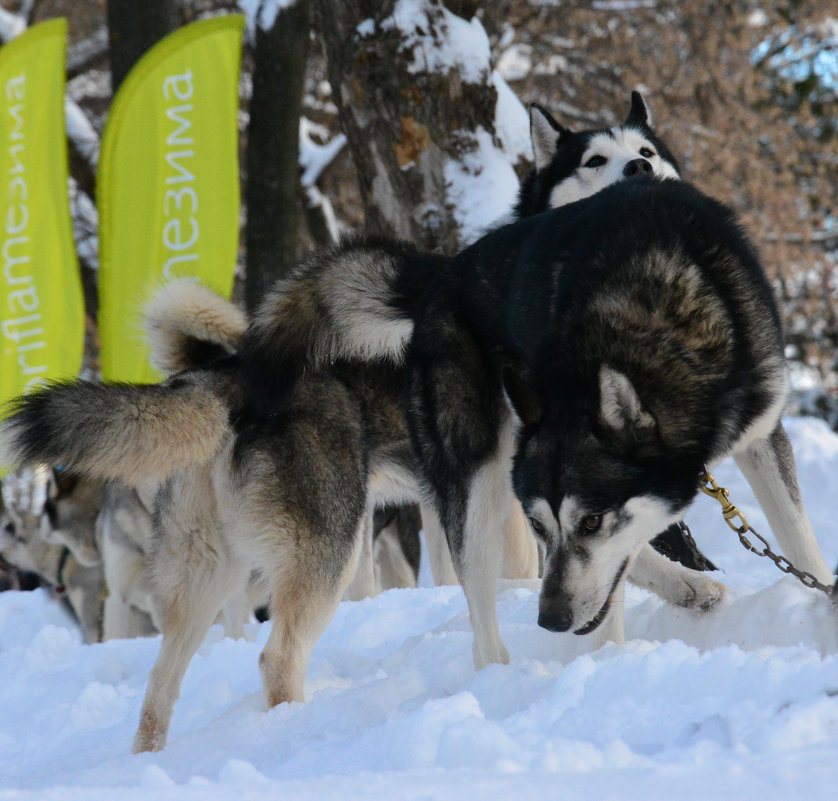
[(270, 458), (47, 528)]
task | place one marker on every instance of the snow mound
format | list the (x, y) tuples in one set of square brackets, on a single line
[(738, 702)]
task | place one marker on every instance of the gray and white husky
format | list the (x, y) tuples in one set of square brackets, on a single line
[(270, 458)]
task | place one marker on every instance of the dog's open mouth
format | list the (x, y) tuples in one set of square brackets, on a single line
[(600, 616)]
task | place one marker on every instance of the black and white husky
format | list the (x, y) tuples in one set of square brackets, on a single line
[(270, 458), (610, 350), (571, 166), (610, 364)]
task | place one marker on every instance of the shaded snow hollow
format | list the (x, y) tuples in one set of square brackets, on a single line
[(740, 702)]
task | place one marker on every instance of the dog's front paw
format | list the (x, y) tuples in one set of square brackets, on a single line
[(700, 593), (151, 734), (492, 653)]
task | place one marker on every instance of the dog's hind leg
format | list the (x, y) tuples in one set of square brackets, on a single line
[(194, 574), (673, 582), (479, 551), (235, 613), (478, 559), (363, 583), (439, 554), (191, 609), (768, 464), (465, 436), (306, 593)]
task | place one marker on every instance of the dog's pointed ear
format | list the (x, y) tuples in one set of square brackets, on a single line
[(640, 114), (522, 396), (546, 135), (620, 408)]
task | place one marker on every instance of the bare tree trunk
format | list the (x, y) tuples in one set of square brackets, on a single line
[(273, 142), (407, 116), (133, 27)]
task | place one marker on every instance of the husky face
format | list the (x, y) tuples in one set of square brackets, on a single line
[(595, 491), (571, 166)]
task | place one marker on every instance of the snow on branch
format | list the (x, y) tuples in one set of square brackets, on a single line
[(81, 133), (262, 13), (314, 159), (81, 55), (11, 25), (440, 40)]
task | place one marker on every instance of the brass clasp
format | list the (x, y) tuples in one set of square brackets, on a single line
[(729, 511)]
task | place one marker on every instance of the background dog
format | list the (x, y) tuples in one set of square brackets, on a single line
[(47, 522)]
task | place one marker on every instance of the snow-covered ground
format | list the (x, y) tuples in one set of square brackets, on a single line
[(738, 703)]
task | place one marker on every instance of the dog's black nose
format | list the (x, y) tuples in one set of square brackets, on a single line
[(555, 619), (637, 168)]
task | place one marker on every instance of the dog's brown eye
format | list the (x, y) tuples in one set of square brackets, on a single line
[(646, 153), (596, 161), (591, 523), (538, 528)]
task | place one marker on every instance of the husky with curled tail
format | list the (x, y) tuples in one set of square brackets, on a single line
[(271, 457), (281, 489)]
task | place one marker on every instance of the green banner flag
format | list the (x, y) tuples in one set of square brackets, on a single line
[(42, 314), (168, 185)]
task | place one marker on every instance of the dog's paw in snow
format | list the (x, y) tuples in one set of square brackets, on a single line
[(701, 593)]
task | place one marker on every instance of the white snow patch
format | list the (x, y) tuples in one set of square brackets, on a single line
[(85, 225), (314, 157), (623, 5), (262, 13), (11, 25), (757, 18), (482, 185), (515, 63), (440, 40), (512, 123), (81, 132), (802, 377), (366, 28), (52, 650), (479, 187), (554, 65), (99, 706)]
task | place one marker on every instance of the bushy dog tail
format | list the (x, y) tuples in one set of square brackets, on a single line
[(118, 432), (188, 326), (354, 300)]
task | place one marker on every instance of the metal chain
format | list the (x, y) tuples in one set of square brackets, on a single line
[(731, 513), (688, 535)]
